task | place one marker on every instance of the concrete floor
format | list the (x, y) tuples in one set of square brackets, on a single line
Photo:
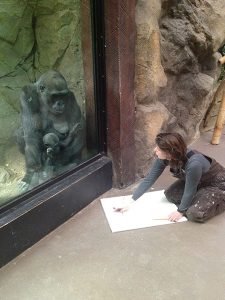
[(83, 260)]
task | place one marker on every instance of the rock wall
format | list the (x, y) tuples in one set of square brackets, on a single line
[(176, 63), (176, 68), (36, 36)]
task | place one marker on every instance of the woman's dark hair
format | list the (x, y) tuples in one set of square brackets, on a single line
[(174, 144)]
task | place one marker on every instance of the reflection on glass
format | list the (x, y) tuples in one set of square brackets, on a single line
[(47, 109)]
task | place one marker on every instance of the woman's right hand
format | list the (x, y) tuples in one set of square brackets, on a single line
[(126, 206)]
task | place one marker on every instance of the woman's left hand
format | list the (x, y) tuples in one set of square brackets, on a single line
[(175, 216)]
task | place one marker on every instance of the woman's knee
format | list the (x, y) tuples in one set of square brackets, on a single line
[(195, 215), (174, 192), (210, 209)]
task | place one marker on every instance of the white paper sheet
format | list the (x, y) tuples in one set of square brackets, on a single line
[(151, 209)]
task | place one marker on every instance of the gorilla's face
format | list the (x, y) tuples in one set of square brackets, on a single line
[(53, 91), (57, 103)]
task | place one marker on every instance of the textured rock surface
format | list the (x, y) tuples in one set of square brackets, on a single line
[(180, 72), (148, 119), (176, 62), (35, 36), (150, 74)]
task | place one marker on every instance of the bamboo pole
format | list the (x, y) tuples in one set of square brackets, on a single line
[(222, 60), (219, 123)]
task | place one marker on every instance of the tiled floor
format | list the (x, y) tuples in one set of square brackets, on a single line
[(83, 260)]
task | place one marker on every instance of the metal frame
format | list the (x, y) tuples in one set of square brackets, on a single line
[(97, 10), (99, 70), (31, 216)]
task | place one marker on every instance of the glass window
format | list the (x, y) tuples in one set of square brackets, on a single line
[(47, 106)]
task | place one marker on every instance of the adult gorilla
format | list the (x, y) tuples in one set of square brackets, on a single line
[(52, 134)]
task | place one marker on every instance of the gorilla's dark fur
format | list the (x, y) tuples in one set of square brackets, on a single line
[(53, 131)]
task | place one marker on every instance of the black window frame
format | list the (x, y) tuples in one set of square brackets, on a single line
[(99, 77)]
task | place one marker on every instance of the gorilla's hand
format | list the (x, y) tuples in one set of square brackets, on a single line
[(76, 128), (72, 134), (35, 179), (23, 186)]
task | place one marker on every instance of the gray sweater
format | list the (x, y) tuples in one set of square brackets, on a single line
[(193, 170)]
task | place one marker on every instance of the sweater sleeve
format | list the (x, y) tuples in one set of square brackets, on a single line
[(158, 167), (194, 171)]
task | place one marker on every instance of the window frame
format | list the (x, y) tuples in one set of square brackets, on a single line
[(99, 80)]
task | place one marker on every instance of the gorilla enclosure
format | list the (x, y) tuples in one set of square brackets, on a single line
[(47, 93)]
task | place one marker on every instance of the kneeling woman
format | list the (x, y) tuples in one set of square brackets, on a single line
[(199, 192)]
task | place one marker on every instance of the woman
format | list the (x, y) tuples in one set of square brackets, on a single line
[(199, 192)]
